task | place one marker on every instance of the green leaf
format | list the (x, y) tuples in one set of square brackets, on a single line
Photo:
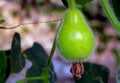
[(38, 57), (3, 66), (16, 58), (94, 73), (118, 77), (2, 21), (116, 8), (7, 53)]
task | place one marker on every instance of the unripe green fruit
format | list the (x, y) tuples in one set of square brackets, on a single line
[(75, 40)]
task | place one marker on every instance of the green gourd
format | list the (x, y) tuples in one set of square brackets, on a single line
[(75, 39)]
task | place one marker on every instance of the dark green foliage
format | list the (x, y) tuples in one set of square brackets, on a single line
[(116, 8), (17, 59), (94, 73), (38, 57), (3, 66), (7, 53), (2, 21)]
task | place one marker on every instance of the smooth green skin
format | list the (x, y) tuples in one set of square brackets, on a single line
[(75, 40)]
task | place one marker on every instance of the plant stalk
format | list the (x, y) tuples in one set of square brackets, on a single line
[(45, 74), (28, 79), (51, 53), (111, 15), (46, 70)]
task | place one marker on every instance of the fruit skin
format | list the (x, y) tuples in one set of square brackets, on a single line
[(75, 40)]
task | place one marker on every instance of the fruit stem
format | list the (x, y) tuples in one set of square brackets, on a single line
[(111, 15), (71, 4)]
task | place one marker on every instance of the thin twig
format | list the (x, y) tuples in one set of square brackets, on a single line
[(41, 22), (2, 27), (10, 27)]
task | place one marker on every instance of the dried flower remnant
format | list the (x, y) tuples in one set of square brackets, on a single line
[(77, 69)]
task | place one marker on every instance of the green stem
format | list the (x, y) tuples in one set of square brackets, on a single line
[(71, 4), (45, 74), (46, 70), (32, 78), (111, 15), (51, 53)]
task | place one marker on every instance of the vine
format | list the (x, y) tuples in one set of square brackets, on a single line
[(45, 73), (111, 15)]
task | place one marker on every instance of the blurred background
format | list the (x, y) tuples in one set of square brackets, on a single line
[(39, 21)]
